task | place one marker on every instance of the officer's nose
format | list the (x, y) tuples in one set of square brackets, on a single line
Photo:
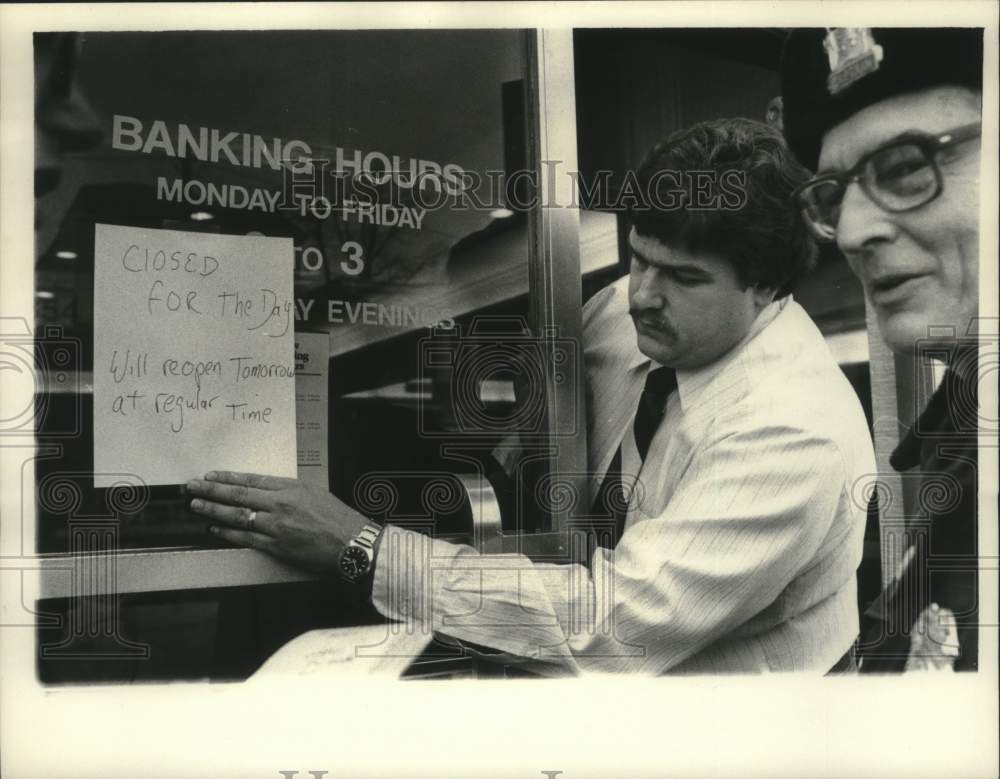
[(862, 224)]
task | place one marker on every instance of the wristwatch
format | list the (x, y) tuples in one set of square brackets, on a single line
[(357, 557)]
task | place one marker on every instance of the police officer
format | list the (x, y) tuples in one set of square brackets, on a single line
[(890, 120)]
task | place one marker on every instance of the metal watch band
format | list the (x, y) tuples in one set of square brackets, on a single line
[(367, 536)]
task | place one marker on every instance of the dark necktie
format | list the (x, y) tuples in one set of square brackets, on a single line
[(652, 406), (611, 495)]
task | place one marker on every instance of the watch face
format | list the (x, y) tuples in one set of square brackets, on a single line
[(354, 562)]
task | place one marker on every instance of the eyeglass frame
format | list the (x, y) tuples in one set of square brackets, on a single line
[(929, 145)]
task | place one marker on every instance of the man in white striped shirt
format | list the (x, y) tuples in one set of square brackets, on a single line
[(745, 518)]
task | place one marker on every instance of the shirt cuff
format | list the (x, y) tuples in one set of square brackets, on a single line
[(406, 562)]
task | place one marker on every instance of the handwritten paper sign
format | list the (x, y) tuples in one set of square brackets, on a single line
[(194, 365)]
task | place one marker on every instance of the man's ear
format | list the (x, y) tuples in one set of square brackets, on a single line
[(762, 296)]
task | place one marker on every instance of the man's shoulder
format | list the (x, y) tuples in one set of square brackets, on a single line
[(789, 353), (792, 381), (806, 388)]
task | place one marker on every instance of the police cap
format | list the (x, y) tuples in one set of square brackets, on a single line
[(828, 75)]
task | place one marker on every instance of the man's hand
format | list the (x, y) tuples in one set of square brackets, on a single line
[(296, 522)]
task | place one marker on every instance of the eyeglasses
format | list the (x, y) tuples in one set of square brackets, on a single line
[(900, 176)]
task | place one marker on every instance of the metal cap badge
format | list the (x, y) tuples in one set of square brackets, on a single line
[(853, 54)]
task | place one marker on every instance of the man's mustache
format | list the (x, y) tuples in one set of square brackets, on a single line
[(647, 319), (656, 323)]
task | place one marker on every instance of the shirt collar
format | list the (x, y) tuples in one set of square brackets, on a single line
[(691, 382)]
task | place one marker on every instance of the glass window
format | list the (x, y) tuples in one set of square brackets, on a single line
[(405, 241), (391, 159)]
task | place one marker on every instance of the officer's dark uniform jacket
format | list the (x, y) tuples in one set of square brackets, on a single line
[(943, 569)]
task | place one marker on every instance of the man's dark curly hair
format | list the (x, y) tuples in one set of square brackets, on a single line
[(745, 170)]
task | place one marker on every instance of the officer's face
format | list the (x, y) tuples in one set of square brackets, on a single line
[(688, 309), (920, 268)]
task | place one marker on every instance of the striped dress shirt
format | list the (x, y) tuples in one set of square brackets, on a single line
[(743, 534)]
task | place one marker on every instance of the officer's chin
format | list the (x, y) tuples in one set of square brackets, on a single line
[(910, 332)]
